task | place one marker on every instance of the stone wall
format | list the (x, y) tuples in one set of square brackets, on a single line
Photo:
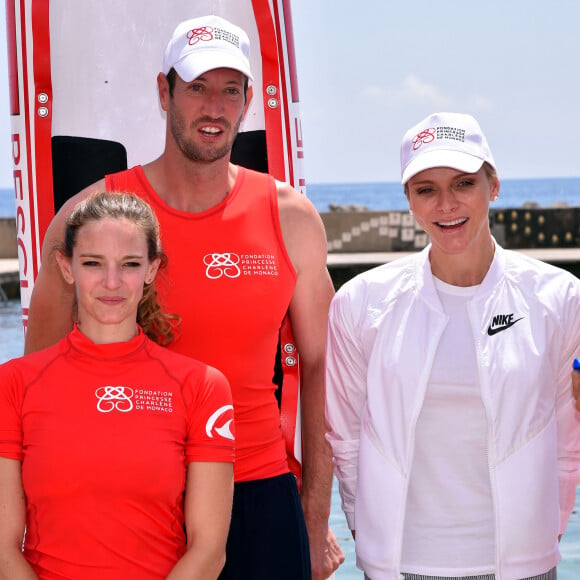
[(393, 231), (8, 247), (372, 231)]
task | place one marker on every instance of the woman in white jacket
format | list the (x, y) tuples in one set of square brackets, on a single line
[(449, 399)]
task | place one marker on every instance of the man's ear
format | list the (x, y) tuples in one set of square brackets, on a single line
[(249, 95), (65, 267), (163, 90)]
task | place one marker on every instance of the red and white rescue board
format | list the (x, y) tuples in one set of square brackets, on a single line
[(83, 101)]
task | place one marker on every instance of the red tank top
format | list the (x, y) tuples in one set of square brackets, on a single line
[(231, 280)]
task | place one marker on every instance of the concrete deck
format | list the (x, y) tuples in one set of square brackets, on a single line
[(9, 278), (9, 266)]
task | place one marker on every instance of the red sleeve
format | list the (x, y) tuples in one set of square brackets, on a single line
[(210, 417), (10, 411)]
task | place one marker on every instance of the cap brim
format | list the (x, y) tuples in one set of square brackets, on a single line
[(442, 158), (193, 66)]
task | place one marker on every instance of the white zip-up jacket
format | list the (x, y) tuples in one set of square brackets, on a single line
[(384, 329)]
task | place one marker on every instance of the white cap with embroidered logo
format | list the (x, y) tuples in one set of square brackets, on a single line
[(444, 140), (206, 43)]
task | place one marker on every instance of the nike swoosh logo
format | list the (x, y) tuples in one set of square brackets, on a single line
[(491, 331)]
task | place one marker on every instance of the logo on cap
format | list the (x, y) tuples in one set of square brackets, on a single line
[(429, 135), (196, 35), (207, 33), (425, 136)]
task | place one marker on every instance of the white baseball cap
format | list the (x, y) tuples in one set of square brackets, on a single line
[(202, 44), (444, 140)]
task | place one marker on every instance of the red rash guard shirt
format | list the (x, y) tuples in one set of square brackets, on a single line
[(105, 433), (231, 281)]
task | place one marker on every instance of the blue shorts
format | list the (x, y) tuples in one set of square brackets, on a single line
[(268, 537)]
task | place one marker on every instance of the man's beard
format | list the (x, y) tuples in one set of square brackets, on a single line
[(206, 152)]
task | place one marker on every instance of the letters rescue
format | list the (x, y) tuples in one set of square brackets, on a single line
[(259, 265)]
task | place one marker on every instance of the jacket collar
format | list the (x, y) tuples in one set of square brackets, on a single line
[(425, 279)]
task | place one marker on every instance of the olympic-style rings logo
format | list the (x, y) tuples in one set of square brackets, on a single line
[(218, 265), (204, 33), (110, 398), (225, 430), (425, 136)]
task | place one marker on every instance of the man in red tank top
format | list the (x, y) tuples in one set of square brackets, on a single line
[(243, 251)]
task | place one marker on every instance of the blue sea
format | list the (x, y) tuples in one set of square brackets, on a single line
[(7, 203), (374, 196), (389, 195)]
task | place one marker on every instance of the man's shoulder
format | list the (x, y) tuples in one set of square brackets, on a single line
[(260, 185), (292, 205), (295, 203), (131, 175)]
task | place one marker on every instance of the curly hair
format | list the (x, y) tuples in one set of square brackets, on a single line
[(156, 324)]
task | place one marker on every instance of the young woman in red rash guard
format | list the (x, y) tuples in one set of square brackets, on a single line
[(116, 455)]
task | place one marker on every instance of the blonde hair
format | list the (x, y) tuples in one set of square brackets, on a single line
[(156, 324)]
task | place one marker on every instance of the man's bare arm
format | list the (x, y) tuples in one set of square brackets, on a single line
[(50, 314), (305, 241)]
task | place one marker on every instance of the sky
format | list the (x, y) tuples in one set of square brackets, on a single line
[(370, 69)]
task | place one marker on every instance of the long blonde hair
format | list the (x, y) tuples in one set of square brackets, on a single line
[(156, 324)]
